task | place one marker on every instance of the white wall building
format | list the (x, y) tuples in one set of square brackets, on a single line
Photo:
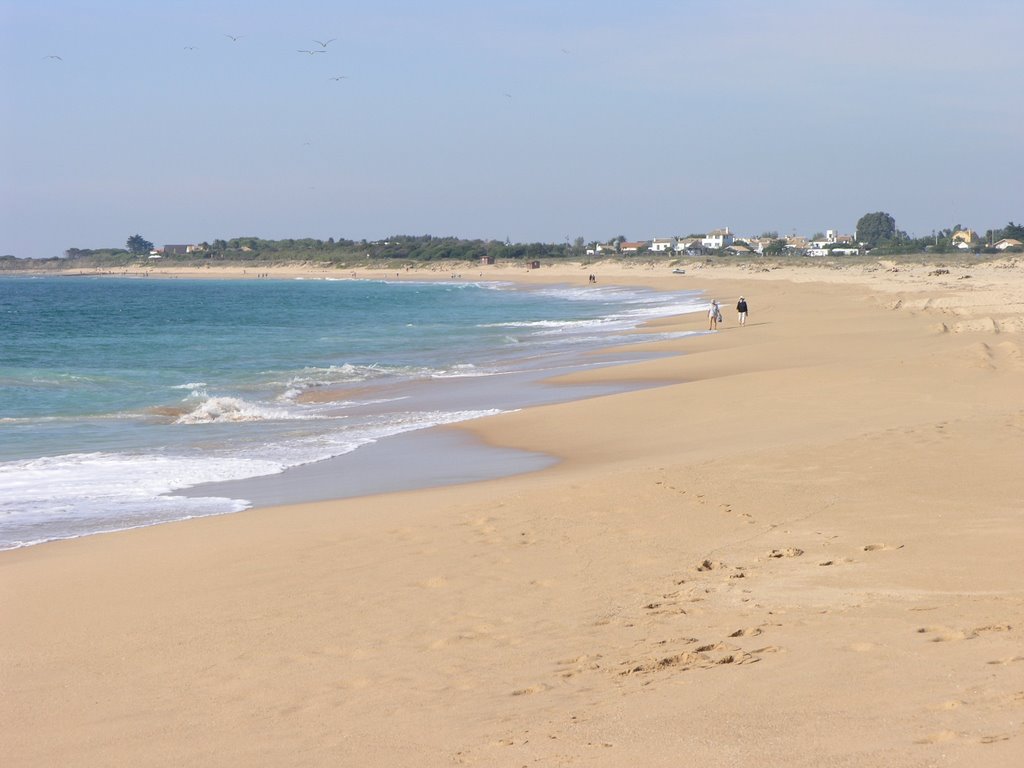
[(717, 239)]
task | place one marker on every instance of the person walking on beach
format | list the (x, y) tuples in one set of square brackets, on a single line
[(741, 309), (714, 316)]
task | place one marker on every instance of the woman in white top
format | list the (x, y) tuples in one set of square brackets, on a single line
[(714, 316)]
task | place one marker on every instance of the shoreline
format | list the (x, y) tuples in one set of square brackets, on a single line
[(801, 549), (512, 385), (951, 281)]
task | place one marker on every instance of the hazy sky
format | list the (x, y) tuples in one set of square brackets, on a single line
[(532, 120)]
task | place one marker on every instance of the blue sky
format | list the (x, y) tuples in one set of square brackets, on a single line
[(529, 120)]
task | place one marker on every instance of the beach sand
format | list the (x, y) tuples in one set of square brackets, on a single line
[(804, 548)]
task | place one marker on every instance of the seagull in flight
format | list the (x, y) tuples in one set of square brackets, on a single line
[(190, 48), (339, 77), (311, 52), (234, 38), (53, 56), (325, 43)]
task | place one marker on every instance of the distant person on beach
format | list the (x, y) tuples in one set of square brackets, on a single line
[(714, 316), (741, 309)]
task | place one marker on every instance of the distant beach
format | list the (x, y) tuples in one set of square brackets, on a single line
[(791, 543)]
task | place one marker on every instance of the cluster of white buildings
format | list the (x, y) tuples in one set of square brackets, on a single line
[(718, 240), (724, 240)]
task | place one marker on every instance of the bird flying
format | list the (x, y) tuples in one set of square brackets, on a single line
[(53, 56), (234, 38), (311, 52), (325, 43), (339, 77)]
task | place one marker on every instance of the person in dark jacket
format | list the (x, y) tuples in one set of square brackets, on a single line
[(741, 308)]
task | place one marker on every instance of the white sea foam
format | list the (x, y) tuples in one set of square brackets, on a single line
[(463, 371), (559, 324), (313, 378), (77, 494), (66, 496), (229, 409)]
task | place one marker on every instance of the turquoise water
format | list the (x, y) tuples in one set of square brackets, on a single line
[(115, 393)]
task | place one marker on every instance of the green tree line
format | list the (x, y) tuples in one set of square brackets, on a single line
[(397, 248)]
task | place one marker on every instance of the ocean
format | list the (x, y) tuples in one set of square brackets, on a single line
[(119, 396)]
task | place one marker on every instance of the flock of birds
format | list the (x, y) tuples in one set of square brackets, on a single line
[(309, 51), (235, 38)]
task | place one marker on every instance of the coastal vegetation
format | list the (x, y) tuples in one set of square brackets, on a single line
[(876, 236), (343, 253)]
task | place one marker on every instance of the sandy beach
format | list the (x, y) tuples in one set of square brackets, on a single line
[(802, 548)]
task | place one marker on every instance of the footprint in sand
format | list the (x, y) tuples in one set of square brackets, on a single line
[(539, 688), (749, 632), (941, 634), (1007, 660), (944, 634), (994, 738), (567, 668), (841, 561), (787, 552), (992, 628), (879, 547), (710, 565), (706, 656)]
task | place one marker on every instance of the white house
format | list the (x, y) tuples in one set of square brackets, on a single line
[(1007, 242), (832, 251), (689, 245), (662, 244), (717, 239), (831, 238)]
